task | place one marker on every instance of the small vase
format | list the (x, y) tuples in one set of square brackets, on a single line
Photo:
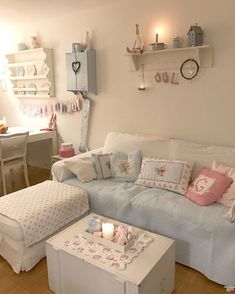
[(87, 42), (34, 42)]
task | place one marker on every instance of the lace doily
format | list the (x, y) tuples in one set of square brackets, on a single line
[(106, 255)]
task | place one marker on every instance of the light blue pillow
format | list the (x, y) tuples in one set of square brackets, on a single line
[(102, 165), (125, 166)]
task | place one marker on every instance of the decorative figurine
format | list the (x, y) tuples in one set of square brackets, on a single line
[(138, 46), (195, 36), (52, 122), (34, 42), (94, 225), (129, 232), (121, 236)]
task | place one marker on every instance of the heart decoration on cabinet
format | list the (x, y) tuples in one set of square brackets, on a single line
[(75, 66)]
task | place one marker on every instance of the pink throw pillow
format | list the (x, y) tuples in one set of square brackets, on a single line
[(208, 186), (228, 197)]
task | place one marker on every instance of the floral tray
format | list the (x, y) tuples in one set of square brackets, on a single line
[(109, 243)]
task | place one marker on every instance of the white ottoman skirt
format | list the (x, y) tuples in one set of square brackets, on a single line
[(48, 204)]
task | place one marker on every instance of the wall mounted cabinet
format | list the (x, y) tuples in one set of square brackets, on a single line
[(32, 73), (81, 71), (171, 58)]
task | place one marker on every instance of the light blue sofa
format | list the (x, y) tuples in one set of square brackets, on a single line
[(205, 240)]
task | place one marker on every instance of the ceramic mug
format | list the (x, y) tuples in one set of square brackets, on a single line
[(176, 42)]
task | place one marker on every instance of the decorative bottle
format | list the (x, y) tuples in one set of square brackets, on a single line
[(138, 44), (87, 42)]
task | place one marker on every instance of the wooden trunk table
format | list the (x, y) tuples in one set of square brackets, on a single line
[(69, 272)]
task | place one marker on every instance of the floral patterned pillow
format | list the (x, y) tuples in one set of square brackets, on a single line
[(125, 166), (102, 166), (173, 175)]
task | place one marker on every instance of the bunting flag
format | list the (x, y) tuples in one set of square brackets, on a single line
[(48, 108)]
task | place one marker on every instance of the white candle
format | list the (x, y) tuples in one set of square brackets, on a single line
[(107, 230)]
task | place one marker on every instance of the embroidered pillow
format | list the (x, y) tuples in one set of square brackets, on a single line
[(102, 166), (83, 168), (125, 166), (173, 175), (228, 197), (208, 186)]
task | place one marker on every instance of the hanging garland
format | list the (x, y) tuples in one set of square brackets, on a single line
[(48, 108)]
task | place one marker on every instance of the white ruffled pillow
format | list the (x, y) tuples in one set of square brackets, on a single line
[(83, 168), (228, 197)]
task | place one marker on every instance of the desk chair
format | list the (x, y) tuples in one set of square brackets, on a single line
[(13, 150)]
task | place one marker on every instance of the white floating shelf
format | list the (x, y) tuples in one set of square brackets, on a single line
[(36, 77), (30, 89), (170, 50), (12, 65), (171, 58), (27, 51), (32, 96)]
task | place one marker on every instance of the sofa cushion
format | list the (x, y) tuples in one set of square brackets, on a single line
[(208, 186), (228, 197), (201, 233), (110, 198), (169, 213), (102, 165), (83, 168), (125, 166), (173, 175), (149, 145)]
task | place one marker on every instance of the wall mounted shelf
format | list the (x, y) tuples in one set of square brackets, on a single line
[(31, 71), (171, 58), (33, 96)]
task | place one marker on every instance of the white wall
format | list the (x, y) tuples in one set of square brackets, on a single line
[(201, 110)]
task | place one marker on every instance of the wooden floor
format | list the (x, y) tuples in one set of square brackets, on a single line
[(188, 281)]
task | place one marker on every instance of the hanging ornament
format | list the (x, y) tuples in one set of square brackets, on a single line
[(138, 46), (84, 128)]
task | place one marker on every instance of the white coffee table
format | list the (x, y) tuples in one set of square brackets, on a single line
[(152, 272)]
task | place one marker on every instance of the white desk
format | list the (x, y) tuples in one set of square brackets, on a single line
[(37, 135)]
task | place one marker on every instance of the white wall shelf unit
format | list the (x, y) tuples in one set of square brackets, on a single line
[(171, 58), (32, 73)]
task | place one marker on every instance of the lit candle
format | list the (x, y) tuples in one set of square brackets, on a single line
[(156, 37), (107, 230), (158, 32)]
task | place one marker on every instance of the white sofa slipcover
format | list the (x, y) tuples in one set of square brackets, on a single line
[(205, 240)]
